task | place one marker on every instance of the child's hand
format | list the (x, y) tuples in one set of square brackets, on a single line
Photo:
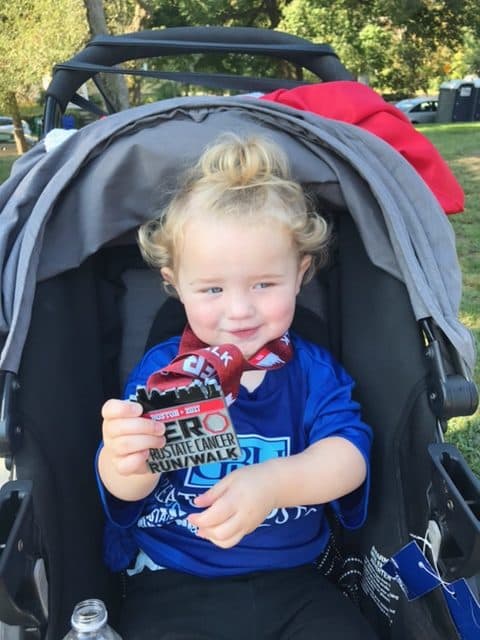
[(235, 506), (127, 437)]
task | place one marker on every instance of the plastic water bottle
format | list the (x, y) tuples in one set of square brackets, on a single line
[(89, 620)]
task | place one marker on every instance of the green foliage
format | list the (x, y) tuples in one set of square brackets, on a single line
[(130, 15), (35, 35), (123, 14), (400, 46), (467, 59)]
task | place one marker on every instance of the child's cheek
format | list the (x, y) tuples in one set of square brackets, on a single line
[(203, 318)]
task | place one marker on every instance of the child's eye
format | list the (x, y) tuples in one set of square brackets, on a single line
[(212, 290), (263, 285)]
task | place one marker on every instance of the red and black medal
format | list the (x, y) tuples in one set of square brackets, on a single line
[(191, 396)]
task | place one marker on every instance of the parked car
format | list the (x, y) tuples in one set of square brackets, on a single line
[(8, 145), (6, 124), (419, 110)]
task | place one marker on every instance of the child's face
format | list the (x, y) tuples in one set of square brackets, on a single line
[(238, 281)]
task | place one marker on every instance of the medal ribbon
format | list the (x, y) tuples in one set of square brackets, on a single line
[(225, 363)]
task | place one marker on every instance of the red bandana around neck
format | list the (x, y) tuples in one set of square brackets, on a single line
[(224, 363)]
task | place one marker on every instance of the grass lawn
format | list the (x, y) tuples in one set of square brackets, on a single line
[(459, 144), (6, 161)]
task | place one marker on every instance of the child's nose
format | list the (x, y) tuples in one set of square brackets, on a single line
[(240, 306)]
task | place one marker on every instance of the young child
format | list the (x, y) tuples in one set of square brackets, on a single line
[(226, 549)]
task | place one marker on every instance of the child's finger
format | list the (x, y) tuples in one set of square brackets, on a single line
[(121, 409), (206, 499), (133, 463), (225, 535), (215, 515), (127, 445), (115, 428)]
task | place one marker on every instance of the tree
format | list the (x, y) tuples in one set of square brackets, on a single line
[(34, 36), (114, 86), (400, 46), (467, 60), (131, 15)]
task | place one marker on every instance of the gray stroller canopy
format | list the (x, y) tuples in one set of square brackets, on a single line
[(60, 206)]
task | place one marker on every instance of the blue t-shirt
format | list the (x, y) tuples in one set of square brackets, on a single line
[(302, 402)]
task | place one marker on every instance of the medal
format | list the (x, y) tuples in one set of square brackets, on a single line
[(191, 397), (198, 428)]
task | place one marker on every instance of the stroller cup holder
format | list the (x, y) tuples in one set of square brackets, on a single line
[(22, 577), (455, 506)]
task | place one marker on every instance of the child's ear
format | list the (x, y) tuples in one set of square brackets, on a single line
[(168, 278), (305, 263)]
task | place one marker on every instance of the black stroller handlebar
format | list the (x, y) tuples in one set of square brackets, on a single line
[(107, 51)]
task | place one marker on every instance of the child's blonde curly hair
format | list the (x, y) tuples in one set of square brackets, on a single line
[(246, 179)]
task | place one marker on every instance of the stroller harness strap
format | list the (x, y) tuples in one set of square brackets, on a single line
[(225, 363)]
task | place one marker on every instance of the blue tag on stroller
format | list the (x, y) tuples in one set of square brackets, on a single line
[(464, 609), (416, 576), (413, 572)]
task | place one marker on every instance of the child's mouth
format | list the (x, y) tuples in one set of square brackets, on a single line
[(244, 334)]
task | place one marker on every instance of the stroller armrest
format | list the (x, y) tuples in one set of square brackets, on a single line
[(449, 395)]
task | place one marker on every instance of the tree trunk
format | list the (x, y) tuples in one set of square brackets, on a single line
[(141, 15), (115, 86), (273, 12), (96, 17), (18, 133)]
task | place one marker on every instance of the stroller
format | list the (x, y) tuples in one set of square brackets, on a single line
[(79, 308)]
